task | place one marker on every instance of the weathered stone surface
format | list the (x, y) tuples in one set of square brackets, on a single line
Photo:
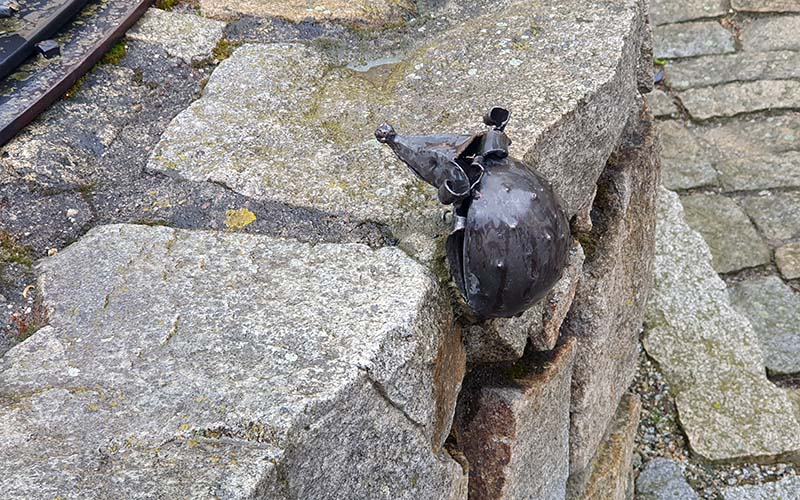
[(558, 301), (367, 11), (785, 489), (760, 172), (733, 240), (766, 5), (741, 97), (514, 428), (710, 354), (773, 309), (685, 160), (772, 33), (749, 136), (788, 259), (202, 364), (777, 215), (187, 36), (674, 11), (661, 103), (611, 467), (273, 114), (607, 311), (691, 39), (742, 66), (502, 339), (662, 479)]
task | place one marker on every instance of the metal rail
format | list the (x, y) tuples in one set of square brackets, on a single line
[(33, 85)]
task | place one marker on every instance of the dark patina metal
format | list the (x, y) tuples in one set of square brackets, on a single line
[(510, 238)]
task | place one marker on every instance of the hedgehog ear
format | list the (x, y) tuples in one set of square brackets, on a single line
[(497, 117)]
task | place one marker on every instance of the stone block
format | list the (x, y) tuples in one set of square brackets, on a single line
[(372, 12), (606, 315), (788, 259), (727, 230), (611, 469), (765, 5), (558, 302), (186, 36), (766, 171), (740, 67), (786, 488), (751, 136), (773, 309), (692, 39), (777, 215), (675, 11), (685, 160), (731, 99), (661, 103), (772, 33), (710, 354), (662, 479), (180, 363), (513, 427), (502, 339)]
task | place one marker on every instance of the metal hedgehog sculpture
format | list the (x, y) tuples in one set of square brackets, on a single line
[(510, 237)]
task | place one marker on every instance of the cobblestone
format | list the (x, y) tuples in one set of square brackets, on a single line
[(770, 33), (691, 39)]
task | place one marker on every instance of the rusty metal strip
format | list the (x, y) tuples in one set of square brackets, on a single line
[(19, 105)]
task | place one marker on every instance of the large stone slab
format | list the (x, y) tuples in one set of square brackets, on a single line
[(766, 5), (363, 11), (187, 36), (199, 364), (785, 489), (606, 315), (686, 162), (674, 11), (662, 479), (777, 215), (772, 33), (773, 309), (742, 66), (710, 354), (691, 39), (727, 230), (787, 257), (612, 473), (513, 428), (759, 172), (287, 122), (741, 97)]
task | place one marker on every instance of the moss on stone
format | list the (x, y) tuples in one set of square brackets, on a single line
[(13, 252), (223, 49), (115, 54)]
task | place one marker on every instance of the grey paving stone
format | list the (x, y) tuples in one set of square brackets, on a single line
[(773, 309), (691, 39), (710, 354), (661, 103), (662, 479), (760, 172), (772, 33), (733, 240), (742, 66), (752, 136), (788, 259), (685, 161), (187, 36), (786, 489), (766, 5), (741, 97), (674, 11), (203, 364), (777, 215)]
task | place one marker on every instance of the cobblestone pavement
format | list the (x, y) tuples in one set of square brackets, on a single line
[(728, 103)]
